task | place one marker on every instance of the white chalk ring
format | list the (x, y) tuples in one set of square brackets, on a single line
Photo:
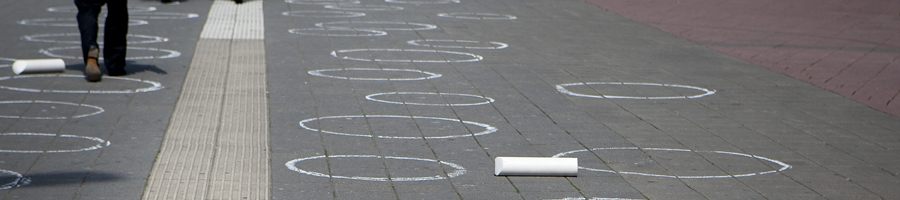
[(74, 9), (562, 89), (163, 15), (488, 128), (41, 38), (328, 32), (423, 26), (477, 16), (99, 109), (782, 164), (500, 45), (353, 7), (320, 74), (171, 53), (100, 143), (154, 85), (487, 99), (323, 14), (475, 58), (459, 170), (72, 22)]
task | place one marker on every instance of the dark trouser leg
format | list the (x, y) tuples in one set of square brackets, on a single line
[(114, 42), (88, 10)]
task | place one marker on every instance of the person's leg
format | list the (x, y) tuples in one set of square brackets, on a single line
[(88, 11), (114, 42)]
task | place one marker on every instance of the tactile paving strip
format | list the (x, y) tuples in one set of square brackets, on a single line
[(217, 141)]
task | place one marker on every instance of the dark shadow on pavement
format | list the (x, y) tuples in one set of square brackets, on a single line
[(64, 178), (130, 68)]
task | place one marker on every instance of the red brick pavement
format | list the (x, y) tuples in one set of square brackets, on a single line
[(850, 47)]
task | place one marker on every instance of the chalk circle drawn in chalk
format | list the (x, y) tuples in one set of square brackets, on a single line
[(782, 164), (15, 181), (323, 14), (354, 7), (404, 26), (337, 32), (422, 2), (74, 9), (163, 15), (154, 86), (170, 53), (430, 75), (320, 2), (143, 39), (458, 170), (71, 22), (490, 16), (593, 198), (100, 143), (460, 44), (474, 58), (562, 89), (7, 59), (488, 129), (487, 100), (99, 109)]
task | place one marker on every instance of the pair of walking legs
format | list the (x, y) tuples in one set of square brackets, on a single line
[(114, 42)]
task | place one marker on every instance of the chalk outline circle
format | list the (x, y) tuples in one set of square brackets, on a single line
[(50, 22), (34, 38), (172, 53), (320, 2), (163, 15), (488, 128), (74, 9), (458, 172), (562, 89), (355, 7), (491, 16), (348, 14), (426, 26), (6, 59), (14, 182), (100, 143), (592, 198), (99, 109), (319, 74), (371, 97), (475, 58), (422, 2), (155, 85), (500, 45), (299, 31), (782, 164)]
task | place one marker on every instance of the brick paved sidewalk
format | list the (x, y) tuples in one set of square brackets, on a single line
[(849, 47)]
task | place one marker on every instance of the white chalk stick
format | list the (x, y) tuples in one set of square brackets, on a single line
[(38, 66), (535, 166)]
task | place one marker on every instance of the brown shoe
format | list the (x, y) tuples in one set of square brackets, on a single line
[(91, 69)]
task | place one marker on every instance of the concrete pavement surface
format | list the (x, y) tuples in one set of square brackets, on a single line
[(413, 99), (847, 47)]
